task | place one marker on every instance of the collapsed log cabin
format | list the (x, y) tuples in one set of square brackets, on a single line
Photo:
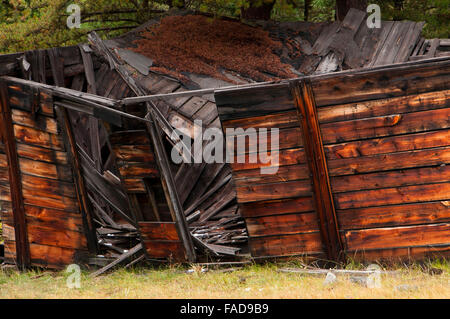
[(87, 133)]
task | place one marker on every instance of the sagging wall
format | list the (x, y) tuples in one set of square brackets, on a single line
[(382, 138), (40, 212)]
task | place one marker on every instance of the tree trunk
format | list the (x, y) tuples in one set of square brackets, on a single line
[(257, 12), (307, 8), (343, 6)]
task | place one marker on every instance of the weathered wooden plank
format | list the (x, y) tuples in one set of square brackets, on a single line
[(277, 120), (394, 124), (37, 153), (402, 254), (47, 170), (173, 250), (141, 170), (158, 231), (35, 137), (395, 237), (132, 137), (397, 215), (283, 174), (56, 237), (391, 161), (282, 224), (382, 107), (382, 82), (39, 122), (256, 142), (283, 157), (277, 207), (47, 187), (286, 245), (134, 185), (402, 143), (52, 201), (398, 178), (54, 257), (54, 219), (134, 153), (274, 191), (392, 196)]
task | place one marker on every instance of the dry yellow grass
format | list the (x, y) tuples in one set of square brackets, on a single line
[(250, 282)]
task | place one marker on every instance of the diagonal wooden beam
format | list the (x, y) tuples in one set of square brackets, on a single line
[(323, 198)]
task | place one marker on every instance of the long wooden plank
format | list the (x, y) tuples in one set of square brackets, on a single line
[(32, 136), (20, 224), (324, 204), (39, 122), (382, 107), (52, 218), (158, 231), (292, 156), (286, 245), (46, 170), (172, 250), (382, 82), (55, 257), (391, 144), (141, 170), (263, 192), (282, 224), (37, 153), (391, 161), (389, 125), (62, 238), (283, 174), (397, 178), (396, 215), (134, 153), (395, 237), (392, 196)]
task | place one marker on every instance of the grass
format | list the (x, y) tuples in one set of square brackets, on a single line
[(255, 281)]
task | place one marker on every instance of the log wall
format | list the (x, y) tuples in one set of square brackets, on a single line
[(384, 133), (52, 227)]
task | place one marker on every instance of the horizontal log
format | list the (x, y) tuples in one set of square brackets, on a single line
[(46, 170), (54, 257), (47, 187), (54, 219), (390, 144), (158, 231), (384, 82), (394, 124), (415, 176), (141, 170), (255, 142), (277, 120), (393, 196), (397, 105), (283, 174), (39, 122), (263, 192), (41, 154), (402, 254), (396, 237), (282, 224), (172, 250), (384, 162), (134, 153), (278, 158), (56, 237), (397, 215), (52, 201), (286, 245), (137, 137), (35, 137), (134, 185)]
